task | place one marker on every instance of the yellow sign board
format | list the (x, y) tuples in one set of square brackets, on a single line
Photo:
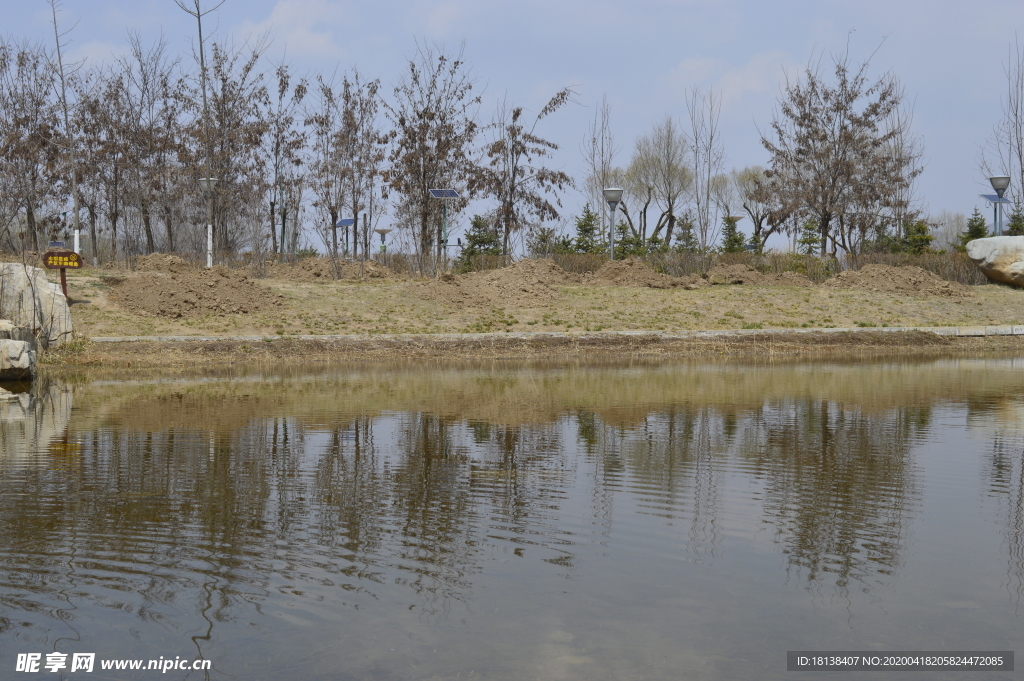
[(58, 260)]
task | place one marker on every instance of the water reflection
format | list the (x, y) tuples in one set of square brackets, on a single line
[(350, 501)]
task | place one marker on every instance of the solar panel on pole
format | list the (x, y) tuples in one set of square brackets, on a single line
[(443, 194), (997, 219)]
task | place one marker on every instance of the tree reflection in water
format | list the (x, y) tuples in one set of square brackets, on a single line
[(195, 526)]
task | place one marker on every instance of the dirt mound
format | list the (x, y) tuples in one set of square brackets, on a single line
[(633, 272), (161, 262), (192, 293), (305, 270), (907, 279), (524, 284), (734, 274), (370, 270), (319, 269)]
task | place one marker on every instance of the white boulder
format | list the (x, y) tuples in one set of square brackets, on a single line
[(17, 360), (30, 301)]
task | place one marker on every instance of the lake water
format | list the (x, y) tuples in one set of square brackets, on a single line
[(634, 521)]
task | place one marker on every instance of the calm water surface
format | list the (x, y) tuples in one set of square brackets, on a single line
[(503, 522)]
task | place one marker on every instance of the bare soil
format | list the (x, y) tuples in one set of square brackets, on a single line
[(183, 292), (909, 279), (744, 274), (633, 272), (321, 270)]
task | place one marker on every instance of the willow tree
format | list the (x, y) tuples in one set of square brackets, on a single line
[(659, 172)]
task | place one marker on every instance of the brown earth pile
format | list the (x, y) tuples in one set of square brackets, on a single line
[(907, 279), (305, 270), (161, 262), (319, 269), (370, 270), (746, 275), (192, 293), (524, 284), (633, 272), (734, 274)]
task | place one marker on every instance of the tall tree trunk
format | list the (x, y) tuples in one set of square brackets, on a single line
[(671, 228), (355, 232), (168, 219), (334, 231), (30, 223), (273, 227), (92, 234), (114, 215), (148, 227)]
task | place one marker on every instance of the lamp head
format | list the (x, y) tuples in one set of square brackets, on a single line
[(613, 195), (1000, 183), (207, 185)]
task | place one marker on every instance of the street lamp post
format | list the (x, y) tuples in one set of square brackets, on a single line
[(612, 195), (999, 183), (442, 241), (383, 231), (208, 185)]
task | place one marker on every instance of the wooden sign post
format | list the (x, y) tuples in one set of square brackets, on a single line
[(62, 260)]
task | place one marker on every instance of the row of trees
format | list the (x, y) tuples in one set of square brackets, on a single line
[(842, 157), (120, 148)]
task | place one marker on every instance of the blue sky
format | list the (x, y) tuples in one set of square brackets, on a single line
[(643, 55)]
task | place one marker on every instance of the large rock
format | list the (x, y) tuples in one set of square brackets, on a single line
[(30, 423), (1000, 258), (31, 302), (17, 360)]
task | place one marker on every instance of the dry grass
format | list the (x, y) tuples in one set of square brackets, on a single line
[(396, 307)]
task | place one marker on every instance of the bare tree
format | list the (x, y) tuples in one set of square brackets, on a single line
[(1004, 152), (433, 114), (29, 144), (361, 149), (148, 100), (195, 9), (70, 143), (283, 142), (840, 153), (599, 154), (708, 154), (511, 175), (237, 129), (947, 227), (323, 118), (758, 204)]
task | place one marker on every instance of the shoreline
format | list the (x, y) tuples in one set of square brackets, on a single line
[(185, 352)]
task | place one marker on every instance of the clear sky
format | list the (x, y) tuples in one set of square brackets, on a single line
[(643, 55)]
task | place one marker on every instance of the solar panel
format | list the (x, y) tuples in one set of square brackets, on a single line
[(345, 222), (994, 198), (444, 193)]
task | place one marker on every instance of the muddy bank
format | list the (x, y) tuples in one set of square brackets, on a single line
[(189, 354)]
